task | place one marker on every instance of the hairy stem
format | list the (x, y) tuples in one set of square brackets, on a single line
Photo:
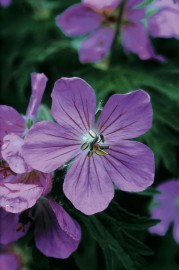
[(118, 24)]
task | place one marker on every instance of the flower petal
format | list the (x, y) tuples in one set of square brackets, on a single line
[(5, 3), (15, 198), (56, 233), (9, 261), (12, 153), (126, 116), (38, 82), (166, 215), (169, 192), (34, 177), (74, 104), (11, 121), (8, 227), (130, 165), (164, 23), (135, 39), (102, 4), (87, 184), (48, 146), (176, 228), (97, 45), (78, 20)]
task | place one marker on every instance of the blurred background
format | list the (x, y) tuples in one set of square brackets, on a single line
[(31, 42)]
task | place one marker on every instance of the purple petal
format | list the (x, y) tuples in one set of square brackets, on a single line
[(12, 153), (126, 116), (166, 214), (135, 39), (102, 4), (11, 121), (97, 45), (73, 104), (130, 165), (5, 3), (176, 227), (164, 23), (38, 82), (78, 20), (9, 227), (132, 3), (87, 184), (169, 192), (9, 261), (134, 15), (56, 233), (16, 198), (34, 177), (48, 146)]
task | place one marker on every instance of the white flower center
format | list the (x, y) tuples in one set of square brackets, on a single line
[(92, 141)]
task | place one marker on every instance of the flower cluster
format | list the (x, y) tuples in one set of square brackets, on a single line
[(98, 154), (104, 19)]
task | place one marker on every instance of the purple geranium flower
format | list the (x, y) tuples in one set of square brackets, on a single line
[(167, 209), (56, 233), (15, 173), (100, 18), (164, 23), (103, 154), (5, 3)]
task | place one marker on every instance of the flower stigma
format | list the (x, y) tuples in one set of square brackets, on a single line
[(92, 143)]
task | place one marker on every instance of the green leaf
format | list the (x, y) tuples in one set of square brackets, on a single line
[(40, 262)]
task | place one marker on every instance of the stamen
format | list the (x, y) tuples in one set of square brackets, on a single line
[(92, 133), (84, 146)]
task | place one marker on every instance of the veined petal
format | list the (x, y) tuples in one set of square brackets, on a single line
[(87, 184), (97, 45), (38, 82), (56, 233), (126, 116), (165, 214), (9, 261), (11, 121), (15, 198), (48, 146), (79, 20), (74, 104), (12, 153), (8, 227), (130, 165), (102, 4), (135, 39), (164, 23)]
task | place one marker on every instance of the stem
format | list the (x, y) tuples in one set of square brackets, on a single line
[(118, 24)]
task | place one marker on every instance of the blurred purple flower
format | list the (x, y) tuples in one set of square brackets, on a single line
[(5, 3), (56, 233), (15, 173), (164, 22), (9, 261), (103, 153), (100, 18), (167, 209)]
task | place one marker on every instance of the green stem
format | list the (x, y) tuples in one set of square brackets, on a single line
[(118, 24)]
